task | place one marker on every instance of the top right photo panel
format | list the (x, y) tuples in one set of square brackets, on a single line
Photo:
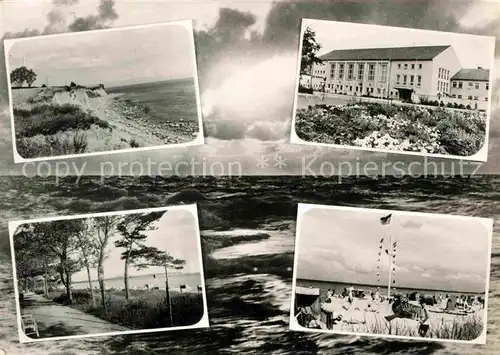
[(392, 89)]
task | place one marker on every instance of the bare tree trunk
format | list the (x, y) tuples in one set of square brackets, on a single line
[(125, 278), (100, 279), (167, 295), (89, 278)]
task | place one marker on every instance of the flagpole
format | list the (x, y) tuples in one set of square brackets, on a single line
[(390, 264)]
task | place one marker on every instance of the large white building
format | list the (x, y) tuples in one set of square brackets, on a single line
[(402, 73)]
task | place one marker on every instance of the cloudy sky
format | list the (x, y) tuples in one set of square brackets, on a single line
[(371, 36), (434, 252), (176, 234), (112, 58), (243, 47)]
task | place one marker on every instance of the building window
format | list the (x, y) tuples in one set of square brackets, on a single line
[(459, 96), (371, 72), (404, 79), (487, 86), (350, 71), (341, 71), (439, 73), (475, 97), (413, 66), (470, 97), (460, 85), (486, 99), (350, 88), (471, 84), (419, 80), (477, 85), (454, 84), (454, 96), (341, 86), (378, 90), (412, 78), (361, 71), (406, 66), (371, 90), (332, 71), (420, 66), (399, 66), (383, 74), (397, 78)]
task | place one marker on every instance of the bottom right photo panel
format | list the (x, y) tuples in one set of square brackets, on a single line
[(389, 273)]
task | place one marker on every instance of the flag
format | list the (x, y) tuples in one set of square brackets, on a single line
[(386, 220), (395, 244), (381, 240), (387, 251), (182, 287)]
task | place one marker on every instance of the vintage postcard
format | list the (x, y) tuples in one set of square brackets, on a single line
[(391, 274), (104, 91), (114, 273), (391, 89)]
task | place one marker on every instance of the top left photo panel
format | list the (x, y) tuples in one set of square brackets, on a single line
[(104, 91)]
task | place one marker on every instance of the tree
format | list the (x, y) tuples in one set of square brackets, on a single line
[(32, 258), (151, 256), (61, 239), (88, 255), (132, 229), (309, 49), (105, 227), (21, 75)]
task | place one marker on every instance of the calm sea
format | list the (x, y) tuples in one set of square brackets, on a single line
[(192, 281), (171, 100)]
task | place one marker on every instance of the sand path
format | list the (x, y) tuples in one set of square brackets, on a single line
[(54, 319)]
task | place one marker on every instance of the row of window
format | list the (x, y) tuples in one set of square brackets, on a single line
[(412, 66), (412, 79), (359, 75), (459, 85), (443, 74), (357, 89), (470, 97), (443, 86)]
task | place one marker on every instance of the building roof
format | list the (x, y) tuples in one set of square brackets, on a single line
[(392, 53), (478, 74)]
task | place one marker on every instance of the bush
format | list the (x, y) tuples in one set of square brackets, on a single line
[(373, 125), (144, 309), (45, 146), (51, 119)]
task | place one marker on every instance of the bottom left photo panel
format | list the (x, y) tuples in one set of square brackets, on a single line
[(108, 274)]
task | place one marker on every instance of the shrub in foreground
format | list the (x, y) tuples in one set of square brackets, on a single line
[(373, 125), (51, 119)]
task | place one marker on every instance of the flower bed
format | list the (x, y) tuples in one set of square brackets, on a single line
[(391, 127)]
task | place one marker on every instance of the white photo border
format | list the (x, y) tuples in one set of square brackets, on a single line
[(480, 156), (198, 140), (304, 207), (192, 208)]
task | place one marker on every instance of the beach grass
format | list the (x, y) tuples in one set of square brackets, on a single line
[(145, 309), (460, 328)]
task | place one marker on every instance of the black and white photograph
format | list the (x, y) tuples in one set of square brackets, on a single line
[(104, 91), (393, 89), (391, 273), (247, 179), (111, 273)]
